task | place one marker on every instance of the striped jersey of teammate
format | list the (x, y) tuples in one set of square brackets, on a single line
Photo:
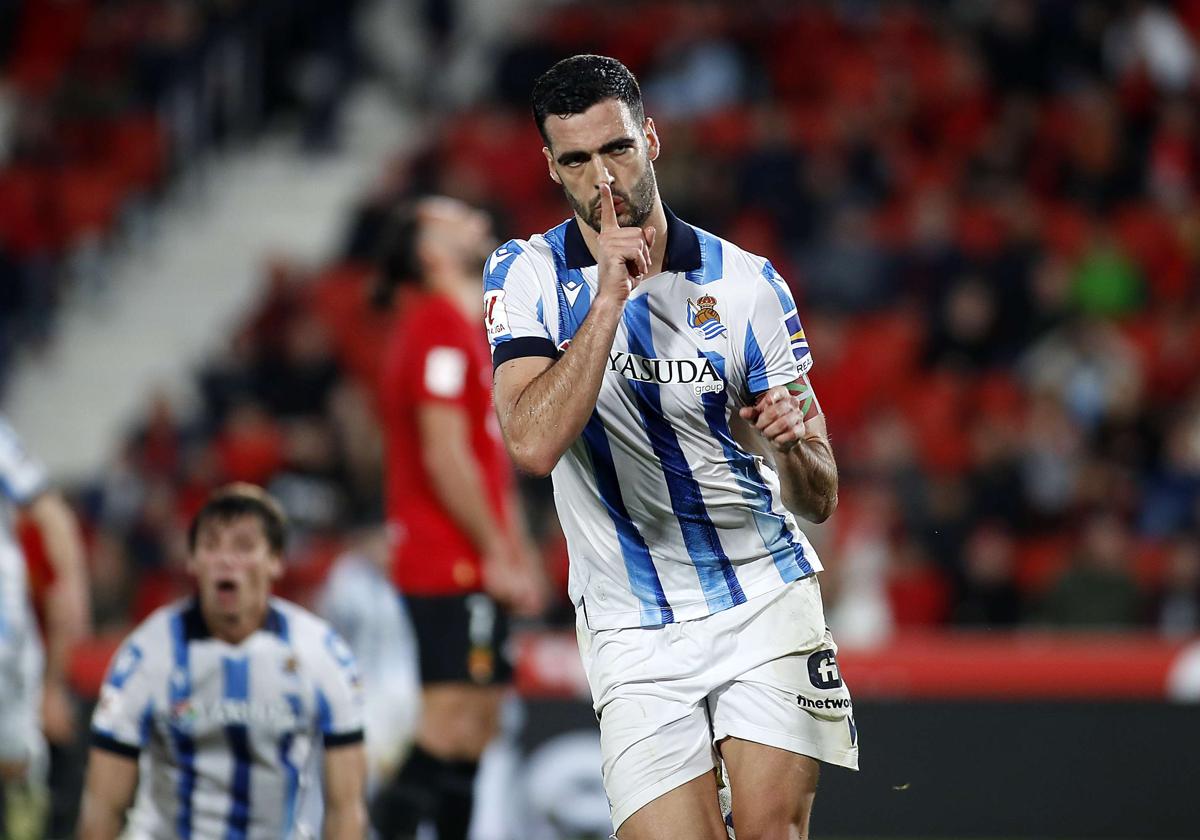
[(22, 479), (228, 734), (667, 517)]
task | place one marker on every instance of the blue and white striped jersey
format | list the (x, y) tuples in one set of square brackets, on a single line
[(667, 517), (22, 479), (227, 734)]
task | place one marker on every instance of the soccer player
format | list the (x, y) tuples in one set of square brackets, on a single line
[(33, 691), (216, 706), (460, 557), (360, 602), (660, 373)]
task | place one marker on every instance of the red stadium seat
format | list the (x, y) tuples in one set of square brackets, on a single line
[(725, 132), (1040, 562), (1065, 229), (339, 298), (936, 408), (87, 200), (1150, 563), (26, 223), (1149, 238), (49, 33), (137, 150), (252, 450), (997, 394)]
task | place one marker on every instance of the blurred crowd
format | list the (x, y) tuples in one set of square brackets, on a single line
[(989, 214), (106, 105)]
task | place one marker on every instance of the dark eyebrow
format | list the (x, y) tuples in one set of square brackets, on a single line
[(611, 146), (572, 157)]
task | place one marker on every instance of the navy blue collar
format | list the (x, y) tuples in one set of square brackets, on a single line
[(683, 246), (195, 627)]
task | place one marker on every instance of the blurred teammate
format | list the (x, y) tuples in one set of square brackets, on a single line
[(460, 556), (360, 602), (661, 373), (228, 698), (33, 696)]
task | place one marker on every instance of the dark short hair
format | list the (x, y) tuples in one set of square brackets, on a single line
[(396, 261), (577, 83), (234, 501)]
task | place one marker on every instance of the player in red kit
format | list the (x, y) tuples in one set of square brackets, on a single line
[(460, 556)]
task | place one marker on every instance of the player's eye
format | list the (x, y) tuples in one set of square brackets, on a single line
[(244, 545)]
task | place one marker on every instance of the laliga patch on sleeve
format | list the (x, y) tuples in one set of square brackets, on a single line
[(445, 371), (495, 314)]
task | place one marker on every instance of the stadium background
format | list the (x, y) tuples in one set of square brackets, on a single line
[(988, 213)]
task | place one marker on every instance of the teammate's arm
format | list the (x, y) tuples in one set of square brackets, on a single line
[(789, 419), (543, 405), (345, 791), (107, 792), (68, 605)]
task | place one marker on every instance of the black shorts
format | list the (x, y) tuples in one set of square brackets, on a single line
[(461, 639)]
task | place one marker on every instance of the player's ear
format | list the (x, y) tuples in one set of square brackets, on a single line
[(653, 144), (550, 166), (275, 568)]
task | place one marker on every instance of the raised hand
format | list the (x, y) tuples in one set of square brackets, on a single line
[(624, 258)]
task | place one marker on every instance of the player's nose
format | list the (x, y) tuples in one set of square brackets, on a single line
[(225, 561), (600, 173)]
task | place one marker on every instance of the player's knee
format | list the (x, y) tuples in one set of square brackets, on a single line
[(474, 734), (461, 736), (772, 831), (773, 824)]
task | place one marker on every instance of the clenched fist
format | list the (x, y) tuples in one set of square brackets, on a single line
[(777, 416)]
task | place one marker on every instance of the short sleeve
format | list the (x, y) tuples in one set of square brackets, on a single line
[(22, 477), (441, 362), (122, 719), (776, 349), (513, 309), (339, 693)]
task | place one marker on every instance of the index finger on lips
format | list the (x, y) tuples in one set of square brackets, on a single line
[(608, 213)]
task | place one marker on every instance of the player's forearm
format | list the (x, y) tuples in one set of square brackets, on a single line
[(107, 792), (458, 485), (97, 822), (808, 478), (68, 607), (345, 821), (550, 415)]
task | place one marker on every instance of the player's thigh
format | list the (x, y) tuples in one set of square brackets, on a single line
[(687, 812), (772, 790), (796, 702)]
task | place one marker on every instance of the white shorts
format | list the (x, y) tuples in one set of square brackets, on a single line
[(763, 671)]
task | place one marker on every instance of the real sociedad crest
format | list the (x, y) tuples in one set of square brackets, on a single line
[(703, 318)]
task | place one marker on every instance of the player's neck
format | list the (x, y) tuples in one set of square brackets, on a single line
[(657, 220), (233, 629)]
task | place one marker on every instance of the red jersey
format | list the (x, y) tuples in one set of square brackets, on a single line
[(436, 355)]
